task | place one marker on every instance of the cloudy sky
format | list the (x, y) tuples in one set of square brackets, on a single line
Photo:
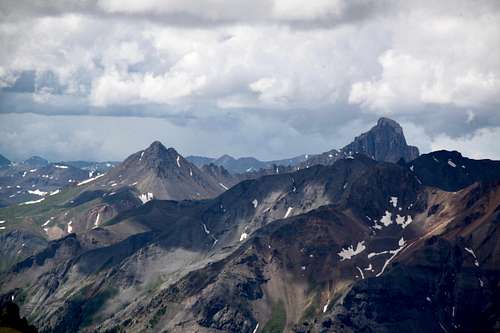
[(99, 79)]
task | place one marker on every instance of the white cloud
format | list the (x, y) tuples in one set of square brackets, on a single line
[(478, 145), (311, 67), (435, 60)]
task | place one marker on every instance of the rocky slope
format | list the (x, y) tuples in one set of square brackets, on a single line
[(359, 245), (24, 182), (450, 171)]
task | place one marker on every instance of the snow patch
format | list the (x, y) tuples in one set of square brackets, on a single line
[(61, 166), (450, 163), (403, 221), (347, 254), (288, 211), (394, 201), (474, 255), (255, 203), (145, 197), (243, 236), (325, 307), (54, 192), (48, 221), (70, 228), (361, 272), (31, 202), (97, 220), (142, 154), (206, 229), (224, 186), (386, 220), (178, 161), (256, 328), (89, 180), (38, 192), (394, 253)]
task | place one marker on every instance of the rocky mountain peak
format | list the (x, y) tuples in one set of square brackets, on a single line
[(156, 154), (386, 122), (383, 142)]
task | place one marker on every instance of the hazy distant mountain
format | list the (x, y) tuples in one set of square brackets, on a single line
[(4, 161), (383, 142), (243, 164), (200, 161), (36, 162), (99, 167)]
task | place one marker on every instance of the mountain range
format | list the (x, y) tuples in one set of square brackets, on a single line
[(383, 142), (372, 237)]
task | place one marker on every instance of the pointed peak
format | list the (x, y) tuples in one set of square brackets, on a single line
[(388, 122), (156, 145)]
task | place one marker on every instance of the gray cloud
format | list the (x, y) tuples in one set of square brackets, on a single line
[(271, 79)]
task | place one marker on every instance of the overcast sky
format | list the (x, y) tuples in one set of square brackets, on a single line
[(100, 79)]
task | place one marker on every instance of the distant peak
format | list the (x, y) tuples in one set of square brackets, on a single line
[(388, 122), (157, 151), (225, 157), (156, 145)]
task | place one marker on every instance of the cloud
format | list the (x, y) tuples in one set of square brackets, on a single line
[(307, 71), (477, 145)]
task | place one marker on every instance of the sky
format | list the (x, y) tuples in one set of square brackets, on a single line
[(101, 79)]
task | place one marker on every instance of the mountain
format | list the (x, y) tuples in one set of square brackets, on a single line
[(36, 162), (99, 167), (244, 164), (163, 173), (383, 142), (4, 161), (450, 171), (200, 161), (358, 245), (24, 183)]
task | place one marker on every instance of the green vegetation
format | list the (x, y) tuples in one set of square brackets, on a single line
[(312, 309), (157, 317), (278, 319), (35, 215), (92, 306)]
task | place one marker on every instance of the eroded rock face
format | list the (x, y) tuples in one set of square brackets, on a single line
[(384, 142), (356, 246)]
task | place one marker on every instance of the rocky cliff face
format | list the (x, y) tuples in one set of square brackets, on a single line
[(384, 142)]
